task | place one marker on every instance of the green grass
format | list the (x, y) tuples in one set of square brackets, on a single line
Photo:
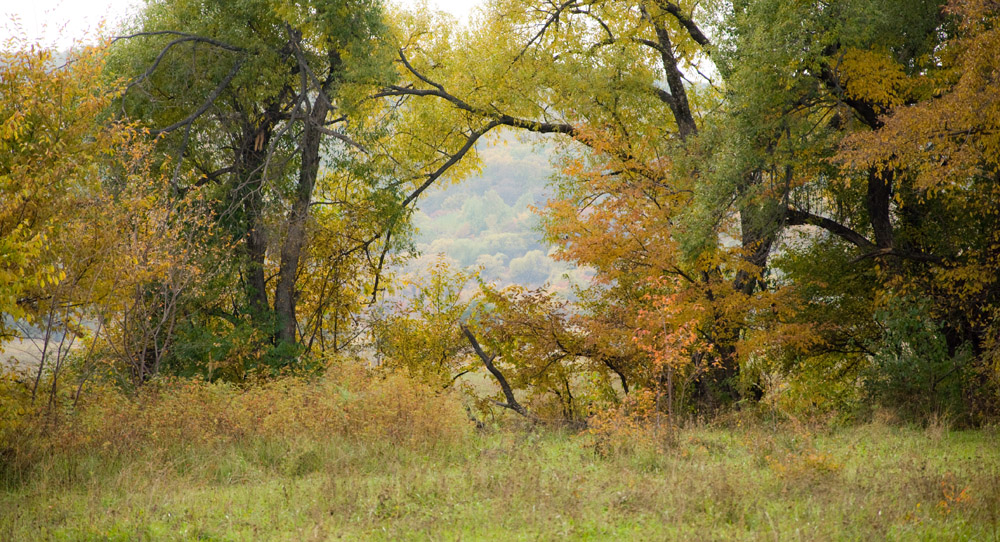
[(761, 482)]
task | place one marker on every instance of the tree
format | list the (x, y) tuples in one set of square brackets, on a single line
[(46, 172), (705, 183), (942, 147), (422, 333), (283, 119), (84, 229), (253, 111)]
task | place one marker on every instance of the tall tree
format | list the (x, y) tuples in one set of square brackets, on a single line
[(703, 140), (251, 98)]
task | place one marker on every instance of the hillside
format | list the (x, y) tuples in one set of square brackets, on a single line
[(490, 220)]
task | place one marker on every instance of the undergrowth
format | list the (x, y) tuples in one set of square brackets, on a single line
[(349, 455)]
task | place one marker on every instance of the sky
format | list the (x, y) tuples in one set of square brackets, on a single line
[(60, 22)]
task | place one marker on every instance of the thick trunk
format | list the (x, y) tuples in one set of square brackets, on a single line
[(759, 226), (717, 386), (248, 195), (877, 202), (760, 223), (291, 250)]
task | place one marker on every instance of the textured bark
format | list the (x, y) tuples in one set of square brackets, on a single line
[(291, 250), (877, 202), (247, 194)]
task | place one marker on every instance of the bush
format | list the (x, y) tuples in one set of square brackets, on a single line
[(633, 426), (173, 414), (913, 370)]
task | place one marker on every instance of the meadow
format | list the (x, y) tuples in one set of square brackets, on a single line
[(395, 460)]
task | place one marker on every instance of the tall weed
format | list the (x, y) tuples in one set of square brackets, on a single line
[(172, 415)]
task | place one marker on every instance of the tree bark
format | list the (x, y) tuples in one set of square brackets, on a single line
[(291, 250), (676, 99), (312, 137), (247, 194), (877, 202), (760, 222)]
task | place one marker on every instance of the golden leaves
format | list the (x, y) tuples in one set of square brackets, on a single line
[(873, 76), (951, 137)]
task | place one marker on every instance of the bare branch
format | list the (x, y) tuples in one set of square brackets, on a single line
[(343, 137), (504, 386), (470, 142), (553, 19), (796, 217), (166, 48), (208, 102), (381, 262)]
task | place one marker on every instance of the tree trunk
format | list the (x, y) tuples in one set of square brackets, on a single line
[(291, 250), (759, 225), (248, 195), (877, 202)]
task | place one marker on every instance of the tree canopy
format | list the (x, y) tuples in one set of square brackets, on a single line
[(773, 199)]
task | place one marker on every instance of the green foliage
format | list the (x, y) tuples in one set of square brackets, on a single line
[(233, 353), (246, 113), (421, 334), (814, 223), (913, 370)]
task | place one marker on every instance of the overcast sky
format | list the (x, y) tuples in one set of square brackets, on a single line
[(59, 22)]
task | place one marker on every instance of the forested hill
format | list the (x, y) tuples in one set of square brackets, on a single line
[(487, 221)]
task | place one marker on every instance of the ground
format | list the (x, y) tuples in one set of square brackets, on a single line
[(734, 481)]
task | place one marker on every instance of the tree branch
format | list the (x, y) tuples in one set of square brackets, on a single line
[(184, 37), (865, 110), (208, 102), (677, 98), (551, 20), (687, 22), (470, 142), (501, 118), (795, 217), (504, 386), (166, 48), (906, 255), (343, 137)]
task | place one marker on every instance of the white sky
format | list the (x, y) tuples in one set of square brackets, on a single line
[(60, 22)]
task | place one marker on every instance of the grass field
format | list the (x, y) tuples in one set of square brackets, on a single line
[(739, 481)]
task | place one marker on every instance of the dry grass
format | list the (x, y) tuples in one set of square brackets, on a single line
[(391, 460)]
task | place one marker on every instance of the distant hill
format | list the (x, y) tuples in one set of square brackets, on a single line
[(488, 221)]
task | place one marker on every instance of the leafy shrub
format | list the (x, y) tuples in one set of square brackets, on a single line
[(912, 369), (170, 415), (633, 425)]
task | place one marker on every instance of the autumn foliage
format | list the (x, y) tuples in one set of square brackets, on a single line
[(791, 206)]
